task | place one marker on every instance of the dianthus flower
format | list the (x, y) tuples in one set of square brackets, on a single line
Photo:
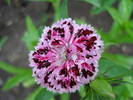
[(66, 56)]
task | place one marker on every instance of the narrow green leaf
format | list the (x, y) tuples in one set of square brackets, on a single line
[(115, 15), (113, 32), (80, 21), (123, 60), (8, 2), (95, 10), (96, 3), (102, 87), (129, 86), (65, 96), (56, 6), (44, 0), (14, 81), (121, 92), (28, 83), (111, 69), (2, 41), (125, 9), (40, 94), (33, 95), (44, 95), (82, 92), (63, 9), (105, 37), (104, 5), (32, 35), (12, 69)]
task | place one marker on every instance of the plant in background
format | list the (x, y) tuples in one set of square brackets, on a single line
[(114, 79), (119, 33), (8, 2), (2, 41)]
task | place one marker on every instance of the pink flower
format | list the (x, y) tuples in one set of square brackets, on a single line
[(66, 56)]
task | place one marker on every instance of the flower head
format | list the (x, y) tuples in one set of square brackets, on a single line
[(66, 56)]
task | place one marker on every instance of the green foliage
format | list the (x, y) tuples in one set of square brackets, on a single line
[(99, 5), (121, 26), (92, 91), (96, 3), (2, 41), (102, 87), (45, 0), (121, 92), (125, 61), (125, 9), (114, 80), (8, 2), (109, 68), (32, 35), (33, 95), (115, 15), (44, 95), (40, 94), (22, 74), (129, 86), (28, 83), (12, 69), (65, 96), (14, 81), (80, 21), (63, 9)]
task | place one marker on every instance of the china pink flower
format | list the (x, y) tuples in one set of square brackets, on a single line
[(66, 56)]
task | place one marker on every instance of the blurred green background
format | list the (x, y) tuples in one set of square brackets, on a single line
[(21, 24)]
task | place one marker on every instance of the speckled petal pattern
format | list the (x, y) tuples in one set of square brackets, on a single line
[(66, 56)]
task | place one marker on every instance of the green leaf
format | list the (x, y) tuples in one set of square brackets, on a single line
[(82, 92), (33, 95), (40, 94), (12, 69), (28, 83), (8, 2), (80, 21), (61, 9), (32, 35), (95, 10), (105, 37), (128, 28), (121, 92), (112, 69), (102, 87), (2, 41), (56, 6), (13, 81), (44, 0), (91, 94), (125, 9), (115, 15), (123, 60), (116, 31), (113, 32), (44, 95), (65, 96), (96, 3), (129, 86), (104, 5)]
